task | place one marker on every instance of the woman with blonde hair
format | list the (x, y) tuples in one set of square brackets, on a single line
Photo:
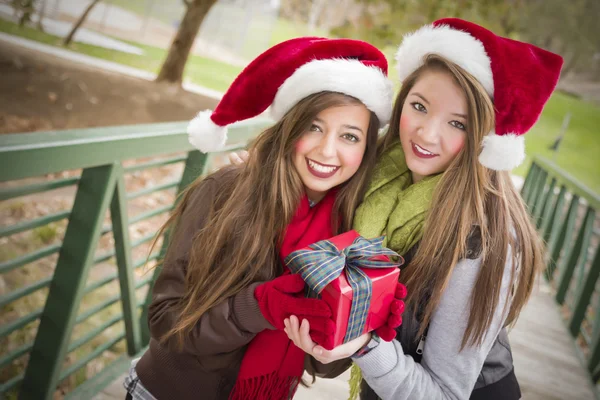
[(443, 196)]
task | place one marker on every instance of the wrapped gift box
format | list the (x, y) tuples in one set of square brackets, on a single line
[(363, 273)]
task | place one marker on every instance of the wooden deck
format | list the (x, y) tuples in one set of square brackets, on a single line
[(544, 355)]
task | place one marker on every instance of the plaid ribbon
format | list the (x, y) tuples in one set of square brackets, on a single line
[(322, 263)]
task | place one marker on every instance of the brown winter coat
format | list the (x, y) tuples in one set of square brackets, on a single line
[(208, 365)]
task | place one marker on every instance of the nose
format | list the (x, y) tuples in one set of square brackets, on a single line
[(327, 145), (429, 131)]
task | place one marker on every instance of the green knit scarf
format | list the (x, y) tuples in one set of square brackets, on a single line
[(395, 207)]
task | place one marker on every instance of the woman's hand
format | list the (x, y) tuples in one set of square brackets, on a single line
[(299, 334), (238, 158)]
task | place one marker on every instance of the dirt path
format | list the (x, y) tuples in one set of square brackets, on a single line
[(43, 92)]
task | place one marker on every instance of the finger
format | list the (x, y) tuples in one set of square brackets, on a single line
[(285, 327), (386, 333), (305, 340), (394, 321), (347, 349), (290, 283), (401, 291), (294, 330), (244, 155), (397, 307), (234, 159)]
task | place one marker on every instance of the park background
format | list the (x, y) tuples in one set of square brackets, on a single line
[(73, 64)]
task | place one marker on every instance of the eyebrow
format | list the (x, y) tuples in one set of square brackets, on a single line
[(343, 126), (426, 101)]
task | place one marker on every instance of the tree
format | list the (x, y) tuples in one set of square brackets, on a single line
[(384, 22), (174, 65), (569, 29), (26, 8), (79, 22), (40, 20)]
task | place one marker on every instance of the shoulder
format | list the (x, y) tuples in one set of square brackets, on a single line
[(209, 188)]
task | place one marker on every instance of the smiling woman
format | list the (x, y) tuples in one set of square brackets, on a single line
[(332, 149), (433, 123), (220, 301)]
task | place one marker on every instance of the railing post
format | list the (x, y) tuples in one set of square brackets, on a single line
[(529, 179), (576, 255), (594, 358), (543, 203), (195, 166), (120, 223), (558, 238), (76, 256), (537, 191), (553, 214), (584, 296)]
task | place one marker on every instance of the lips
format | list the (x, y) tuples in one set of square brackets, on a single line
[(421, 152), (319, 170)]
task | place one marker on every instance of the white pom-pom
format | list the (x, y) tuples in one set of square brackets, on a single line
[(205, 135), (502, 152)]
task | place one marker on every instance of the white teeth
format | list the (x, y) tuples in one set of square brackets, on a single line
[(422, 150), (321, 168)]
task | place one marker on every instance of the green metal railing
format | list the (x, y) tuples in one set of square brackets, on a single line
[(100, 187), (565, 213)]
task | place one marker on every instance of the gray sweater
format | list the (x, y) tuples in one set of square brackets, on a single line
[(444, 372)]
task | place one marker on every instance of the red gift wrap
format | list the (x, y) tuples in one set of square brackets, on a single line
[(338, 294)]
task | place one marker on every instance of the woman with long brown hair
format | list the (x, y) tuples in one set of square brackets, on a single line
[(443, 196), (219, 303)]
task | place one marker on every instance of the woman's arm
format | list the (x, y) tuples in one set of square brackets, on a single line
[(445, 372), (226, 327)]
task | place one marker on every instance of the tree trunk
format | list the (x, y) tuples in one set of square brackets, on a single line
[(173, 66), (27, 11), (80, 22), (40, 21)]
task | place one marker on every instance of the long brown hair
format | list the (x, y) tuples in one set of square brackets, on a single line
[(253, 205), (470, 198)]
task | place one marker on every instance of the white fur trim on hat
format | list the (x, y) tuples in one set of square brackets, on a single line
[(204, 134), (452, 44), (502, 152), (368, 84)]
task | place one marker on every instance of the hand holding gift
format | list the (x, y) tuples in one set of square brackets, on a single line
[(356, 278), (280, 298)]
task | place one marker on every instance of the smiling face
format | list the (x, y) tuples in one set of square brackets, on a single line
[(331, 150), (433, 124)]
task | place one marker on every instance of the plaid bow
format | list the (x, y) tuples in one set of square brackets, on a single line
[(323, 263)]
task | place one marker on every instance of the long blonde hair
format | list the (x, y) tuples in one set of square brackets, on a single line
[(470, 199), (239, 243)]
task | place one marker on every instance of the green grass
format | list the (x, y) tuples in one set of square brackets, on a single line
[(200, 70), (579, 152)]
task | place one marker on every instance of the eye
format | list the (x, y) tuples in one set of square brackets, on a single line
[(351, 137), (315, 128), (418, 106), (458, 125)]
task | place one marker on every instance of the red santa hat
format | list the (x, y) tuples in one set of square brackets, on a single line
[(519, 77), (290, 71)]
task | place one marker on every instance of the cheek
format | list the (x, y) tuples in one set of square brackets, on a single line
[(455, 144), (303, 146), (405, 122), (353, 158)]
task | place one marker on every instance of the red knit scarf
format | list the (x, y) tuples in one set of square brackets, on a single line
[(272, 365)]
